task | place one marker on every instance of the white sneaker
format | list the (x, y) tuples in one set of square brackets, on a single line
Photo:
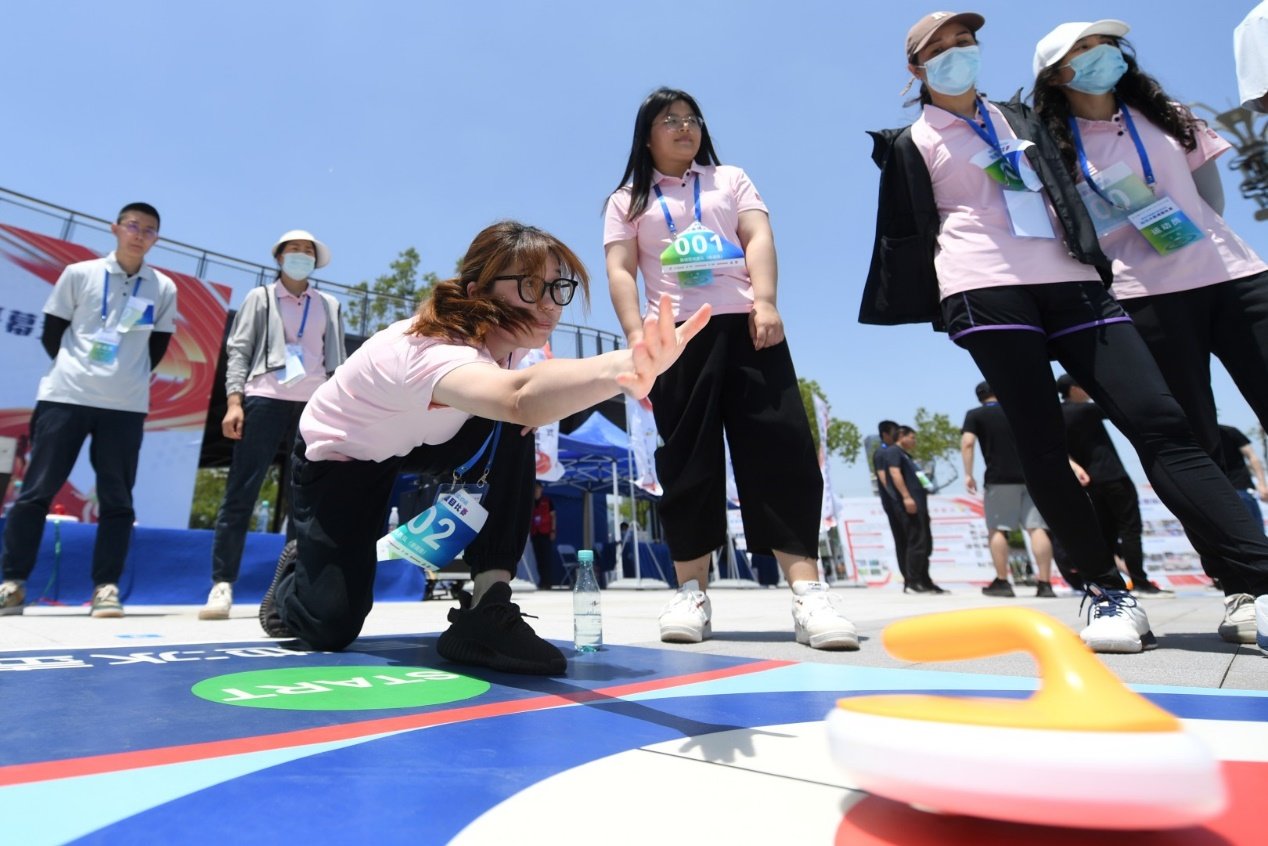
[(1261, 621), (1115, 622), (686, 619), (219, 601), (105, 601), (819, 622), (12, 597), (1238, 625)]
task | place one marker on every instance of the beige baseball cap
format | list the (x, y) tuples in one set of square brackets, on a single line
[(1057, 43), (323, 252), (920, 33)]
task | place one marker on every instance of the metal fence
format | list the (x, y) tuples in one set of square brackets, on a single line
[(361, 309)]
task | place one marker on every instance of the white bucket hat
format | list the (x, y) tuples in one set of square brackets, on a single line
[(323, 252), (1057, 43)]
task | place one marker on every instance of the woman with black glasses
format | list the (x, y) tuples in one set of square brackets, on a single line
[(700, 233), (432, 393)]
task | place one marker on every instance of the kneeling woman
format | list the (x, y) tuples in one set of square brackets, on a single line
[(429, 393)]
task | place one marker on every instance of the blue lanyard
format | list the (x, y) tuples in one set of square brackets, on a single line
[(308, 300), (669, 218), (105, 292), (986, 132), (494, 436), (1140, 151)]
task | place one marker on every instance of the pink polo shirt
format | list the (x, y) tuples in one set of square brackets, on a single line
[(378, 403), (725, 191), (1139, 270), (976, 244), (291, 308)]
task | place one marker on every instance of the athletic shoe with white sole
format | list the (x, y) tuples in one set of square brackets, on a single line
[(219, 601), (819, 622), (687, 617), (105, 601), (1261, 621), (1116, 623), (1238, 625), (12, 597)]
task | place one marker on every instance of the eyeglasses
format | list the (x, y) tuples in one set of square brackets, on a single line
[(674, 123), (561, 290), (149, 233)]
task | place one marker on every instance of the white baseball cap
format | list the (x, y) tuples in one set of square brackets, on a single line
[(323, 252), (1057, 43)]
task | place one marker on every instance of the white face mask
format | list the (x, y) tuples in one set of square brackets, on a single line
[(298, 265)]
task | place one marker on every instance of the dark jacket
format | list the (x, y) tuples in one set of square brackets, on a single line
[(902, 285)]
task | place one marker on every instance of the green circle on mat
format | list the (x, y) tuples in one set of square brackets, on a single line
[(339, 688)]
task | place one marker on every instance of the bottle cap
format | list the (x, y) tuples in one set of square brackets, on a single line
[(585, 555)]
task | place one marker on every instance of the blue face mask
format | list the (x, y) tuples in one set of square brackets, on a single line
[(298, 265), (954, 71), (1098, 70)]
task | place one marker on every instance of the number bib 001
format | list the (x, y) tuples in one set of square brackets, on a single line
[(696, 252)]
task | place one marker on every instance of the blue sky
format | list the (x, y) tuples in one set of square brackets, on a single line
[(385, 125)]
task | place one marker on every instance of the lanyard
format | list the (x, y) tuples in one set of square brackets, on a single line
[(986, 132), (1140, 151), (669, 219), (494, 436), (308, 300), (105, 293)]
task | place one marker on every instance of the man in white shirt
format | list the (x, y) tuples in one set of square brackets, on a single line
[(107, 325)]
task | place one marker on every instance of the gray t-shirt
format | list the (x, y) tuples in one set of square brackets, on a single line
[(83, 292)]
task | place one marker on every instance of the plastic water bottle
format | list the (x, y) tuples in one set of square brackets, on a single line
[(262, 518), (393, 518), (587, 617)]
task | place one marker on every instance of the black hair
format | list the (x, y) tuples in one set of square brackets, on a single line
[(886, 428), (983, 390), (903, 431), (1137, 89), (638, 169), (143, 208)]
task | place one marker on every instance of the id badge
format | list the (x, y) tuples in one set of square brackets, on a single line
[(294, 365), (105, 347), (1126, 192), (138, 313), (1165, 226), (696, 253), (438, 535), (1028, 214), (472, 489)]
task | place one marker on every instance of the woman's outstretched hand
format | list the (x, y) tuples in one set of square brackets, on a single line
[(659, 347)]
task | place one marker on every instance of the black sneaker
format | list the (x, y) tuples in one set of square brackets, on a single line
[(999, 587), (493, 634), (1043, 590), (270, 620)]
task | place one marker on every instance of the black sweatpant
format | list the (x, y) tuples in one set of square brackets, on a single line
[(340, 508), (720, 384), (1183, 330), (894, 513), (1117, 509), (1112, 363), (918, 537)]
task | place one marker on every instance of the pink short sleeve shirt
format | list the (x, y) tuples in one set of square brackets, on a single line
[(291, 308), (725, 192), (1139, 270), (976, 245), (378, 404)]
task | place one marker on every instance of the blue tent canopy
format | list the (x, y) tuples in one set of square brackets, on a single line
[(588, 451)]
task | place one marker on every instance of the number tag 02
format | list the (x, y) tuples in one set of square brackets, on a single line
[(438, 535)]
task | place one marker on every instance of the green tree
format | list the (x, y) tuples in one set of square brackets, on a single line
[(209, 492), (392, 296), (938, 441), (844, 440)]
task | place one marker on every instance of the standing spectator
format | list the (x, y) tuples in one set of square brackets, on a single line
[(1006, 501), (1250, 53), (107, 325), (1192, 287), (1112, 491), (676, 206), (542, 533), (909, 483), (886, 456), (286, 339), (1240, 462)]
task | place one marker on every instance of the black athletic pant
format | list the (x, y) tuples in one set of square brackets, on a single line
[(895, 514), (340, 509), (721, 384), (1114, 366), (918, 535), (1117, 509), (1183, 330)]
